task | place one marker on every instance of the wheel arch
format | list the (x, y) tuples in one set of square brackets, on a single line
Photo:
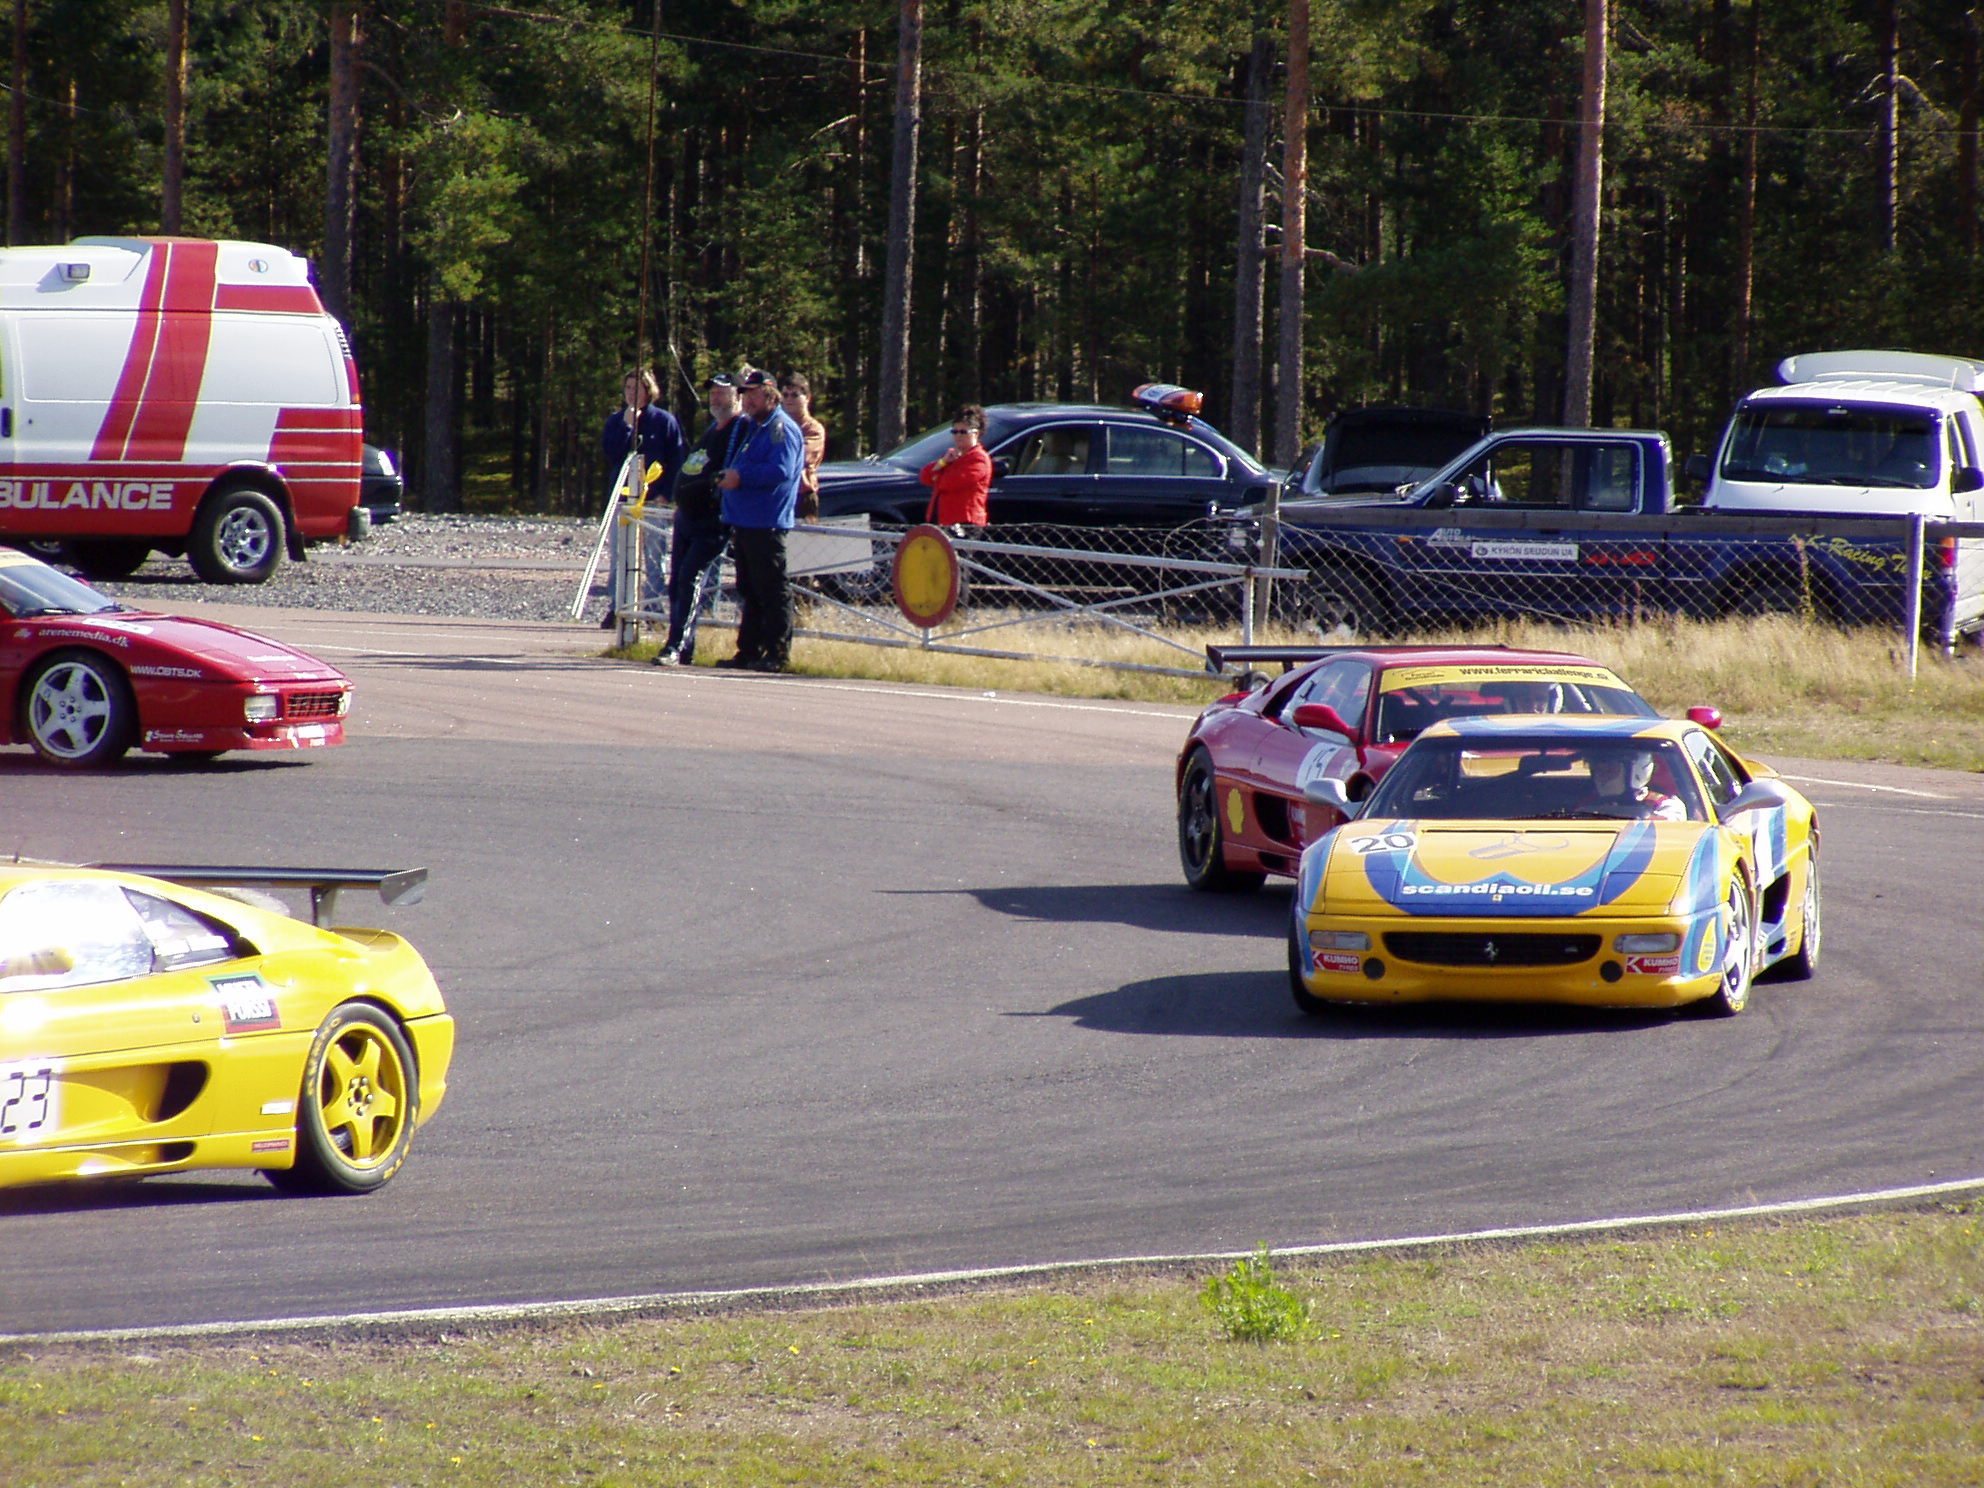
[(251, 476)]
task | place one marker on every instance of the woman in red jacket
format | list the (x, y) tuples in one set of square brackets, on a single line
[(960, 477)]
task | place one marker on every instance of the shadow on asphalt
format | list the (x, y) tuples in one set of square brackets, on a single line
[(1162, 906), (1256, 1004), (84, 1196), (27, 762)]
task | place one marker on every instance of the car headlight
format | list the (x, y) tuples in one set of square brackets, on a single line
[(1339, 940), (344, 702), (263, 707), (1647, 945)]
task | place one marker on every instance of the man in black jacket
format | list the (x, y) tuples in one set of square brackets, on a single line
[(696, 550)]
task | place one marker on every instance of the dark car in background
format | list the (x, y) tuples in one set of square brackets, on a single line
[(1069, 465), (381, 491), (1382, 449)]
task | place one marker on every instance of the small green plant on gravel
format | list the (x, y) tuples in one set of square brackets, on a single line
[(1251, 1305)]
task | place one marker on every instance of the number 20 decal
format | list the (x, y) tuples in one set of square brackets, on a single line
[(27, 1100), (1383, 842)]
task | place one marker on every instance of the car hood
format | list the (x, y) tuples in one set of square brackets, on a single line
[(1513, 868), (223, 653)]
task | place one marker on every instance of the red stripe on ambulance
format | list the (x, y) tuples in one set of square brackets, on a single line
[(159, 387)]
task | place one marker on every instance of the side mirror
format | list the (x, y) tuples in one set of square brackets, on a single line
[(1966, 478), (1323, 716), (1707, 717), (1758, 795), (1326, 790), (1697, 468), (1001, 467), (1440, 497)]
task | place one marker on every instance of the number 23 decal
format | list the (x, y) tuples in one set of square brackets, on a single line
[(27, 1100)]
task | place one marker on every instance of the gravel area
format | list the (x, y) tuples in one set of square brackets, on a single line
[(504, 568)]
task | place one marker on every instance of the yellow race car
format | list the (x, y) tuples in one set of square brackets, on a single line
[(1610, 862), (150, 1026)]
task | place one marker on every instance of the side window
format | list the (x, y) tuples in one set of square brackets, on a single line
[(1061, 449), (1610, 478), (1718, 773), (179, 937), (1344, 685), (1158, 452), (69, 933)]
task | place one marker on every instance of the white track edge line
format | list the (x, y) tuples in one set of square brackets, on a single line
[(660, 1301)]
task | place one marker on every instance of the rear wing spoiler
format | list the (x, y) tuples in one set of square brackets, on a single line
[(396, 886), (1291, 657)]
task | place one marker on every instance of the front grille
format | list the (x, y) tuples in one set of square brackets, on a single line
[(1454, 948), (305, 705)]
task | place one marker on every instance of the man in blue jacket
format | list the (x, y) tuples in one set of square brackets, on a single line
[(641, 417), (760, 487)]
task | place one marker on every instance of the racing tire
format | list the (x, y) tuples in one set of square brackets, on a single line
[(1803, 964), (1201, 838), (237, 538), (1305, 1000), (1739, 955), (356, 1108), (105, 558), (77, 710), (1335, 600)]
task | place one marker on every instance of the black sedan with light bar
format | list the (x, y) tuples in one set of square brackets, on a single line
[(1155, 464)]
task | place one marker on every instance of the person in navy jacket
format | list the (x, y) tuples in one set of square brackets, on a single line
[(642, 417), (760, 487)]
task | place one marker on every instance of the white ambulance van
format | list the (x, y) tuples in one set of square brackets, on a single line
[(173, 394)]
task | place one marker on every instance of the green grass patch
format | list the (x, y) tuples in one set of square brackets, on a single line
[(1839, 1351), (1785, 686)]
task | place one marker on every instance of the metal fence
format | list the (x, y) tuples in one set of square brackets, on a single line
[(1384, 573)]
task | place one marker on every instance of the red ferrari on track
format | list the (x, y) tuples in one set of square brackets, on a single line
[(83, 678), (1347, 712)]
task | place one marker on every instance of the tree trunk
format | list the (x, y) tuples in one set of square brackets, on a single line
[(341, 180), (17, 132), (1966, 140), (1243, 409), (440, 482), (172, 188), (892, 396), (1746, 212), (1887, 149), (1586, 190), (1294, 237)]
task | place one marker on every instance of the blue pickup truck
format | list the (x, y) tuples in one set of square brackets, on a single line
[(1585, 523)]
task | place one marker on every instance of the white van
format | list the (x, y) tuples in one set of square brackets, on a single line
[(1858, 433), (173, 394)]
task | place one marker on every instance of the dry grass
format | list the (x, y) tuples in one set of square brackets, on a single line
[(1785, 686), (1845, 1351)]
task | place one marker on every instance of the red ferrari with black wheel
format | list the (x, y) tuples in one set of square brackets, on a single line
[(1346, 713)]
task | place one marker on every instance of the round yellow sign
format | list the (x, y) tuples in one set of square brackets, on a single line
[(926, 576)]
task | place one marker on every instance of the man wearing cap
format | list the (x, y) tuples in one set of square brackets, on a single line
[(695, 548), (760, 488)]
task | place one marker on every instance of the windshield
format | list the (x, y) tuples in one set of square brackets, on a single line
[(1545, 779), (1412, 698), (29, 587), (1833, 445)]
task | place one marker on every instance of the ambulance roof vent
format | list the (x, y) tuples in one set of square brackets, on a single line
[(75, 273)]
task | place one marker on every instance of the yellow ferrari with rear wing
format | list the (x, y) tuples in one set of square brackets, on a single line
[(153, 1022)]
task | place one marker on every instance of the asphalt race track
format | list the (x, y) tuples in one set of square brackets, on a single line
[(770, 981)]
